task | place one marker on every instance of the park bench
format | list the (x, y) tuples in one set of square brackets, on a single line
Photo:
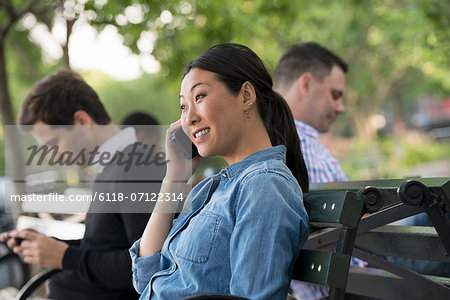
[(351, 218), (372, 239), (336, 209)]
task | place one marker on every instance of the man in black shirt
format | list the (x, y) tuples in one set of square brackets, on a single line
[(97, 266)]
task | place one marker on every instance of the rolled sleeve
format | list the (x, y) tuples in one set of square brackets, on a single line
[(143, 267)]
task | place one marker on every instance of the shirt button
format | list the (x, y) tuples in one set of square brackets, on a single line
[(224, 175), (173, 268)]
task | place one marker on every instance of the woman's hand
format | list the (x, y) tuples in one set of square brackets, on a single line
[(178, 167), (179, 170)]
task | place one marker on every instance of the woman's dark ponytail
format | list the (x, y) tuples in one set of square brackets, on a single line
[(235, 64), (280, 126)]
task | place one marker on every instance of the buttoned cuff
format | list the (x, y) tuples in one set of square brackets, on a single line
[(143, 267)]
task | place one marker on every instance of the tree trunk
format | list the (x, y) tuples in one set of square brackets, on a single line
[(24, 59), (14, 158), (65, 47), (5, 101)]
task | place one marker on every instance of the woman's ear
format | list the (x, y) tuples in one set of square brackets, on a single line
[(248, 94), (80, 117)]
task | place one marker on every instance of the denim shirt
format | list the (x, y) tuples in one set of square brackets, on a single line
[(246, 227)]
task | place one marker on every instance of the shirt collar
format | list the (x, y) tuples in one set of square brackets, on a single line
[(117, 142), (277, 152), (306, 129)]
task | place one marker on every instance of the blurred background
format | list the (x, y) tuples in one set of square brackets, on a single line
[(132, 52)]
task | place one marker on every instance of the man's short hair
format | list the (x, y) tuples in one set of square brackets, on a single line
[(305, 57), (55, 99), (138, 120)]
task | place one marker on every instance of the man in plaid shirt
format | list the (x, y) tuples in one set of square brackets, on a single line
[(312, 80)]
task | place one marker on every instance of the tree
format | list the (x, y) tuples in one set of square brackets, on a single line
[(45, 13), (384, 41), (9, 15)]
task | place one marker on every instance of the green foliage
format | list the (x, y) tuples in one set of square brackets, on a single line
[(2, 156), (149, 94), (25, 66), (391, 45), (419, 153), (392, 157), (397, 50)]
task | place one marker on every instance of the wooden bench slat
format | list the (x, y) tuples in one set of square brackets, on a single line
[(432, 182), (419, 242), (442, 280), (383, 285)]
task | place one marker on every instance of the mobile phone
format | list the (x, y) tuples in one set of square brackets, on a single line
[(19, 240), (184, 144)]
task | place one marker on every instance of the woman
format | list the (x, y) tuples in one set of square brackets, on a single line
[(247, 223)]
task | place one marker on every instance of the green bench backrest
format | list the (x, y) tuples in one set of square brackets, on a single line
[(333, 208), (328, 209), (388, 187), (322, 267)]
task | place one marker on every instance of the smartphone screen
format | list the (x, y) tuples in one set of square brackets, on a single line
[(184, 144)]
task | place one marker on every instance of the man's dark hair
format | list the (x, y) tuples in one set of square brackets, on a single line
[(138, 120), (54, 100), (305, 57)]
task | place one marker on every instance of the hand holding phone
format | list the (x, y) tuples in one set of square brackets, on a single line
[(184, 144), (8, 236), (18, 240)]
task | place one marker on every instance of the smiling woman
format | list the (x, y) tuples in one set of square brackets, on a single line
[(216, 118), (247, 223)]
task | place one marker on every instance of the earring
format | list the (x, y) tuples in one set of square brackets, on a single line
[(247, 114)]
